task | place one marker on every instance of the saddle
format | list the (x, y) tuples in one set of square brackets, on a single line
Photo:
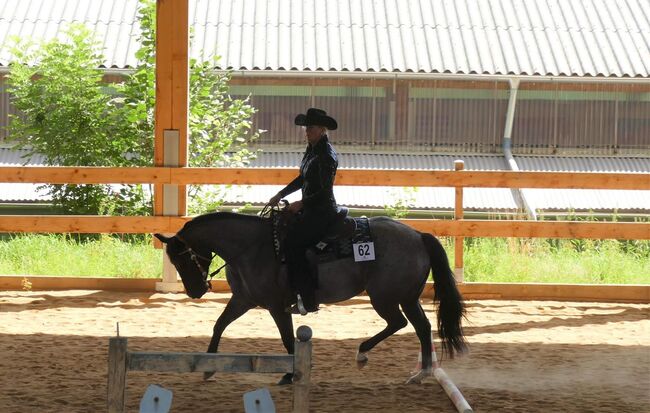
[(336, 244), (343, 225)]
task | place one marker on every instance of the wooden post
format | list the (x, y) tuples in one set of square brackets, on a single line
[(172, 107), (459, 165), (116, 374), (402, 111), (302, 370)]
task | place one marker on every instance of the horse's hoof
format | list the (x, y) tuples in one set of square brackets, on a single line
[(286, 379), (362, 360), (419, 376), (208, 375)]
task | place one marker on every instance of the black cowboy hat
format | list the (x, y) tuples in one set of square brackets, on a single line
[(316, 117)]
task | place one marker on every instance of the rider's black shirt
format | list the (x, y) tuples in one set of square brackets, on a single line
[(316, 179)]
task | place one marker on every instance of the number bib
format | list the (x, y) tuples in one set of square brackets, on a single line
[(364, 251)]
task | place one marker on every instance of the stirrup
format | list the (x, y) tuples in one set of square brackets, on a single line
[(300, 305)]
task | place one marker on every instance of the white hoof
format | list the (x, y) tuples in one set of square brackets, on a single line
[(362, 360), (419, 376)]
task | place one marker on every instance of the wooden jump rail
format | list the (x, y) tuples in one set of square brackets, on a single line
[(120, 360), (454, 394)]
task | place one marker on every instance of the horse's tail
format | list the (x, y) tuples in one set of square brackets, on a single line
[(451, 309)]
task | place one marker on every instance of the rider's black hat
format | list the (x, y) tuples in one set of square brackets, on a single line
[(316, 117)]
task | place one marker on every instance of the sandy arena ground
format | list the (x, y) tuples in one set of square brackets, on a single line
[(525, 356)]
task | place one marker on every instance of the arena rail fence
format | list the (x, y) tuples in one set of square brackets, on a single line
[(458, 178), (121, 360)]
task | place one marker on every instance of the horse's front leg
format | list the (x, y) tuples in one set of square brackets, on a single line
[(236, 307), (284, 322)]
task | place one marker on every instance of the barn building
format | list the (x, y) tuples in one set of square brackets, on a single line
[(534, 85)]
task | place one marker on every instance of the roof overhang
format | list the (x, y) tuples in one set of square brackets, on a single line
[(244, 73)]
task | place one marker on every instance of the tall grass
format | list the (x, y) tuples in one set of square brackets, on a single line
[(486, 259), (62, 255), (555, 261)]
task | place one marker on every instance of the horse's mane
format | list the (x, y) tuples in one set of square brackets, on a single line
[(217, 216)]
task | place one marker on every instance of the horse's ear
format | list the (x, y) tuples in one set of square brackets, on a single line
[(163, 238)]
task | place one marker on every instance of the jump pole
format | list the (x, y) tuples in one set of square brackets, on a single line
[(445, 382), (121, 360)]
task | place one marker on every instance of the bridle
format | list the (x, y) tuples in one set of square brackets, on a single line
[(194, 256)]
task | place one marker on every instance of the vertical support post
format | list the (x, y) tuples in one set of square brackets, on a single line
[(302, 370), (170, 207), (402, 111), (459, 165), (373, 127), (116, 374), (172, 107), (392, 114)]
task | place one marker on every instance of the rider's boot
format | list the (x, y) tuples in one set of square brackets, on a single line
[(309, 301)]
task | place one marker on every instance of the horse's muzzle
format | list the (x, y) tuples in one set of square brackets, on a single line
[(197, 292)]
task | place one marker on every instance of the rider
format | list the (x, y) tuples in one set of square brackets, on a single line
[(317, 208)]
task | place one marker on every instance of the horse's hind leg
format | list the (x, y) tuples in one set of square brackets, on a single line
[(396, 321), (416, 315), (236, 307)]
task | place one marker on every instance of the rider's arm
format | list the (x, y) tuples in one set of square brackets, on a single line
[(293, 186)]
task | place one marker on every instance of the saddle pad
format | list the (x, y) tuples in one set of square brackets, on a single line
[(339, 248)]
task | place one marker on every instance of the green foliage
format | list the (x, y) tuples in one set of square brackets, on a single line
[(68, 115), (219, 126), (404, 199), (71, 117)]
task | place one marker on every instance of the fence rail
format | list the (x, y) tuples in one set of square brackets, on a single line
[(279, 176), (358, 177), (453, 228)]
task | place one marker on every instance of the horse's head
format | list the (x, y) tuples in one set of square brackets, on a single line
[(191, 265)]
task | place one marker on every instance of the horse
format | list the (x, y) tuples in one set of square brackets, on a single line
[(257, 278)]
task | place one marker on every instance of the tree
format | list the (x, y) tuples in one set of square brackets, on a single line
[(220, 127), (69, 115)]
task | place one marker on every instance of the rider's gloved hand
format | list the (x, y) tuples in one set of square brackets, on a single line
[(275, 199)]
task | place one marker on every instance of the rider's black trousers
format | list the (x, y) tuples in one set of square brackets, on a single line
[(309, 228)]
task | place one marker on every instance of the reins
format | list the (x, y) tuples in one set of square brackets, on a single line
[(269, 209), (194, 256)]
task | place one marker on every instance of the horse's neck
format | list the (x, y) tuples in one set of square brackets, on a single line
[(233, 238)]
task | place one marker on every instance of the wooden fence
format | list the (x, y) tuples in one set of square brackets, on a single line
[(457, 227), (458, 178)]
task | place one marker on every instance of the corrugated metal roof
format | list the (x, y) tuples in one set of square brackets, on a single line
[(478, 199), (113, 21), (291, 159), (608, 38), (587, 200), (629, 164), (475, 199), (16, 192), (10, 193), (17, 157)]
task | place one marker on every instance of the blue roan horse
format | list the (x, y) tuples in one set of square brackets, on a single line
[(394, 280)]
